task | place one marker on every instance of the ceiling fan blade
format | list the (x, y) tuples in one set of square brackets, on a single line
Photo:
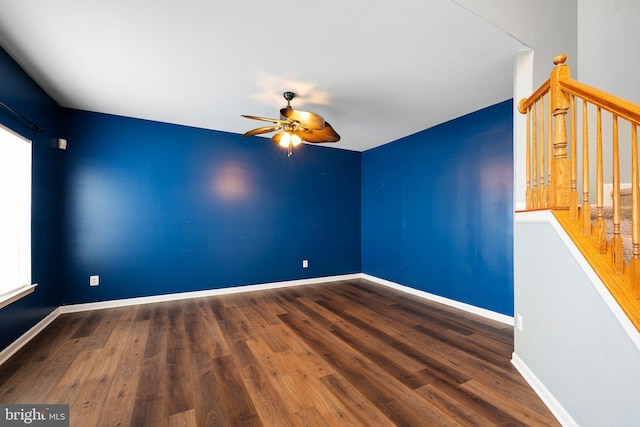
[(264, 119), (328, 134), (306, 119), (259, 131)]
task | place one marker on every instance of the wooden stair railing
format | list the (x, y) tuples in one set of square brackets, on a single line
[(552, 172)]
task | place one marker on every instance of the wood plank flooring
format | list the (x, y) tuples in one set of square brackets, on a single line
[(337, 354)]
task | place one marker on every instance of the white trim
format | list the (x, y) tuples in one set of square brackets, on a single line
[(521, 206), (16, 134), (200, 294), (16, 159), (545, 216), (13, 348), (508, 320), (522, 88), (16, 294), (74, 308), (545, 395)]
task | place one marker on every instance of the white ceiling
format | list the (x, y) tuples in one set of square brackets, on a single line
[(377, 71)]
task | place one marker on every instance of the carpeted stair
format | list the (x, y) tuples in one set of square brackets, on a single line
[(625, 222)]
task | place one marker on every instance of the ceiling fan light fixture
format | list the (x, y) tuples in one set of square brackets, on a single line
[(285, 139), (288, 139)]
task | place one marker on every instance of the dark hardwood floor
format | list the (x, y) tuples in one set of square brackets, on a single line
[(337, 354)]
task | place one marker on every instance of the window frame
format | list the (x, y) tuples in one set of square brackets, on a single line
[(26, 286)]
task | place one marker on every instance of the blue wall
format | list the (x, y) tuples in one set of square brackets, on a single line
[(22, 94), (155, 208), (437, 210)]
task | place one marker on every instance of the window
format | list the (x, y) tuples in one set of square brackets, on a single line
[(15, 217)]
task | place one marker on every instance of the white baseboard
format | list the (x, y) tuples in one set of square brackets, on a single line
[(503, 318), (73, 308), (13, 348), (545, 395)]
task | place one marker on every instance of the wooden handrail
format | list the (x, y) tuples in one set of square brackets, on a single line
[(525, 103), (618, 106)]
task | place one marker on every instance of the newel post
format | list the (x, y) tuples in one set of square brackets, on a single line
[(560, 164)]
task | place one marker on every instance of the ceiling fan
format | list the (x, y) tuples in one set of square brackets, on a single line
[(295, 126)]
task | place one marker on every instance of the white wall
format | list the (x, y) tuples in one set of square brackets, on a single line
[(549, 27), (522, 88), (608, 39), (575, 338)]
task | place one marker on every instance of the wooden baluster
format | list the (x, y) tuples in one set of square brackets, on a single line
[(529, 200), (586, 207), (550, 194), (573, 207), (543, 188), (559, 103), (534, 193), (600, 225), (635, 215), (616, 241)]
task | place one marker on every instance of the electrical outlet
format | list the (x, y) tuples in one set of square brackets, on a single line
[(94, 280), (305, 263), (519, 321)]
